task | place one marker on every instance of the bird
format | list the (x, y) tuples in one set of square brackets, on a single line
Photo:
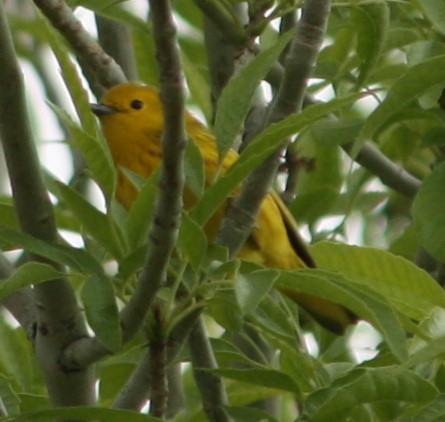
[(132, 121)]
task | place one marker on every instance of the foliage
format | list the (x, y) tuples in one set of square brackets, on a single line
[(378, 81)]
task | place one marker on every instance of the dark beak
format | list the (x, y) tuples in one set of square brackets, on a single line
[(102, 109)]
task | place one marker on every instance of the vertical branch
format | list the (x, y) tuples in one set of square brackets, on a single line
[(158, 358), (241, 216), (116, 39), (212, 390), (167, 212), (59, 319)]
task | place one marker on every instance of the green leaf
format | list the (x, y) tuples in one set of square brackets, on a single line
[(434, 411), (113, 10), (10, 399), (248, 414), (101, 311), (100, 226), (197, 83), (251, 288), (132, 263), (271, 378), (192, 241), (359, 299), (431, 344), (77, 259), (434, 11), (17, 362), (368, 386), (83, 414), (86, 135), (95, 153), (328, 132), (372, 22), (8, 216), (257, 151), (429, 213), (409, 289), (194, 169), (413, 83), (28, 274), (224, 309), (141, 211), (235, 100)]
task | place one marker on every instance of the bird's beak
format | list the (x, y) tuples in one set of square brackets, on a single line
[(102, 109)]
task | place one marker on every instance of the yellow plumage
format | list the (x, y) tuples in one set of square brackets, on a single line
[(132, 121)]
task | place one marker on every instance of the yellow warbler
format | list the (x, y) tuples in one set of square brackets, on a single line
[(132, 121)]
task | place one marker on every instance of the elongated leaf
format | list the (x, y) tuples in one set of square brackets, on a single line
[(251, 288), (372, 23), (194, 169), (429, 213), (432, 343), (361, 300), (8, 217), (434, 411), (132, 263), (75, 258), (112, 9), (95, 153), (368, 386), (86, 136), (140, 214), (101, 311), (264, 377), (434, 10), (235, 100), (100, 226), (413, 83), (257, 151), (83, 414), (27, 275), (247, 414), (410, 289), (192, 241)]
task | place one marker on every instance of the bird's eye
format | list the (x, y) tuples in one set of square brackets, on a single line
[(136, 104)]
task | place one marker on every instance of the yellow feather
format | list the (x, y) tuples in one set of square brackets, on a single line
[(133, 131)]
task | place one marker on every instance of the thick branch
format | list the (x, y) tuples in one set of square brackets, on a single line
[(116, 40), (164, 229), (62, 18), (58, 316)]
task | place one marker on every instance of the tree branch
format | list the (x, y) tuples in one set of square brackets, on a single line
[(212, 390), (115, 38), (391, 174), (167, 212), (136, 391), (241, 216), (62, 18), (59, 318)]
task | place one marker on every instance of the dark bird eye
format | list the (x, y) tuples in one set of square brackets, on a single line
[(136, 104)]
